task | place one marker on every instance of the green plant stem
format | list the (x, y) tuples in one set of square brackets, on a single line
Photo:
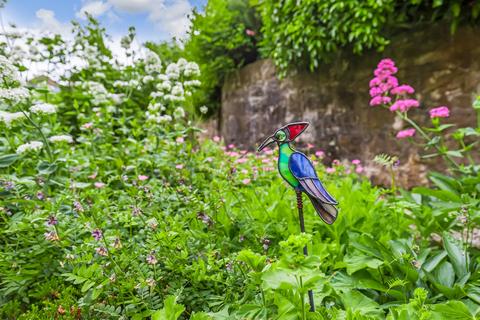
[(426, 137), (47, 145)]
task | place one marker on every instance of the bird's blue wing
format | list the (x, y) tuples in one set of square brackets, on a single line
[(303, 170)]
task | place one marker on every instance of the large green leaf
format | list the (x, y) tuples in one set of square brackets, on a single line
[(355, 262), (8, 159), (445, 274), (170, 311), (456, 256), (452, 310)]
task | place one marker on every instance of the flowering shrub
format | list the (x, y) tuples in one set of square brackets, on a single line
[(386, 92)]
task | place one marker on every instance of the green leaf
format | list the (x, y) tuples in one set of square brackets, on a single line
[(456, 256), (355, 262), (8, 159), (445, 274), (452, 310), (171, 310)]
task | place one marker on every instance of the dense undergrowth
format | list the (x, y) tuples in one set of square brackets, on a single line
[(113, 208)]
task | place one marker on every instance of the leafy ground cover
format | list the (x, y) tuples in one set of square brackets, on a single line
[(112, 207)]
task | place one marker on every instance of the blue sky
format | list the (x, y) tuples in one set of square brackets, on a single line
[(154, 19)]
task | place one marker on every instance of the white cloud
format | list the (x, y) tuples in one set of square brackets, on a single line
[(94, 8), (48, 21), (136, 6), (169, 16)]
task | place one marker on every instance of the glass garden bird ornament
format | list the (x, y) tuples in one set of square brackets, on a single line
[(298, 171)]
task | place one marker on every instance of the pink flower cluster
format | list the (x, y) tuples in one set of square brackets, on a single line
[(385, 84), (439, 112), (407, 133)]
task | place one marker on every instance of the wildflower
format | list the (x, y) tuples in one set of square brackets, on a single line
[(320, 154), (153, 224), (51, 236), (40, 195), (99, 185), (93, 175), (246, 181), (113, 277), (179, 166), (97, 234), (404, 105), (30, 146), (406, 133), (356, 162), (216, 139), (9, 185), (241, 160), (102, 251), (43, 108), (250, 33), (191, 69), (142, 177), (151, 259), (209, 159), (439, 112), (61, 138), (51, 221), (179, 113), (61, 310), (265, 244), (330, 170), (336, 162), (403, 89), (229, 266), (77, 206), (310, 146), (203, 109), (136, 211), (231, 146), (117, 244), (205, 218), (241, 238), (150, 282), (379, 100), (87, 125), (359, 169), (9, 117)]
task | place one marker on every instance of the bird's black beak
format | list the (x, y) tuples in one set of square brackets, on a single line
[(266, 143)]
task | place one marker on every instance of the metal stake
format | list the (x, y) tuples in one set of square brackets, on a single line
[(305, 250)]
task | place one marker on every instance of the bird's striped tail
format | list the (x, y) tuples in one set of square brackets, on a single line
[(328, 212)]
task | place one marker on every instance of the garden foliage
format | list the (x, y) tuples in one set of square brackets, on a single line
[(112, 208)]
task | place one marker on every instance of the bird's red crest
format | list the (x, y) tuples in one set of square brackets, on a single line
[(295, 129)]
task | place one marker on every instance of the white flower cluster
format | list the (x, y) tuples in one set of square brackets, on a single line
[(152, 63), (8, 72), (9, 117), (43, 108), (157, 118), (15, 95), (30, 146), (61, 138)]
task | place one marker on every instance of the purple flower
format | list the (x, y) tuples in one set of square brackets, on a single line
[(205, 218), (97, 234), (51, 221), (102, 251), (265, 244), (40, 195), (151, 259)]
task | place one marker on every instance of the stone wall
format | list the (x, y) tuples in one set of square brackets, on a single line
[(444, 69)]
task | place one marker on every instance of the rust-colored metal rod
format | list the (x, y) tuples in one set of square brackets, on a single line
[(305, 249)]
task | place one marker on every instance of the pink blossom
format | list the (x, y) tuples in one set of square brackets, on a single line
[(379, 100), (356, 162), (266, 160), (87, 125), (336, 162), (250, 33), (330, 170), (375, 82), (209, 159), (385, 68), (233, 153), (403, 89), (268, 169), (404, 105), (99, 185), (376, 91), (268, 151), (231, 146), (440, 112), (241, 160), (142, 177), (246, 181), (179, 166), (180, 140), (216, 139), (310, 146), (406, 133), (359, 169), (93, 175), (319, 154)]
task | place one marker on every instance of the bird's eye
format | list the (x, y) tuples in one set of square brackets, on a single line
[(280, 135)]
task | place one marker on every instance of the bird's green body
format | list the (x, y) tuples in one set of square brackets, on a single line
[(283, 158)]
